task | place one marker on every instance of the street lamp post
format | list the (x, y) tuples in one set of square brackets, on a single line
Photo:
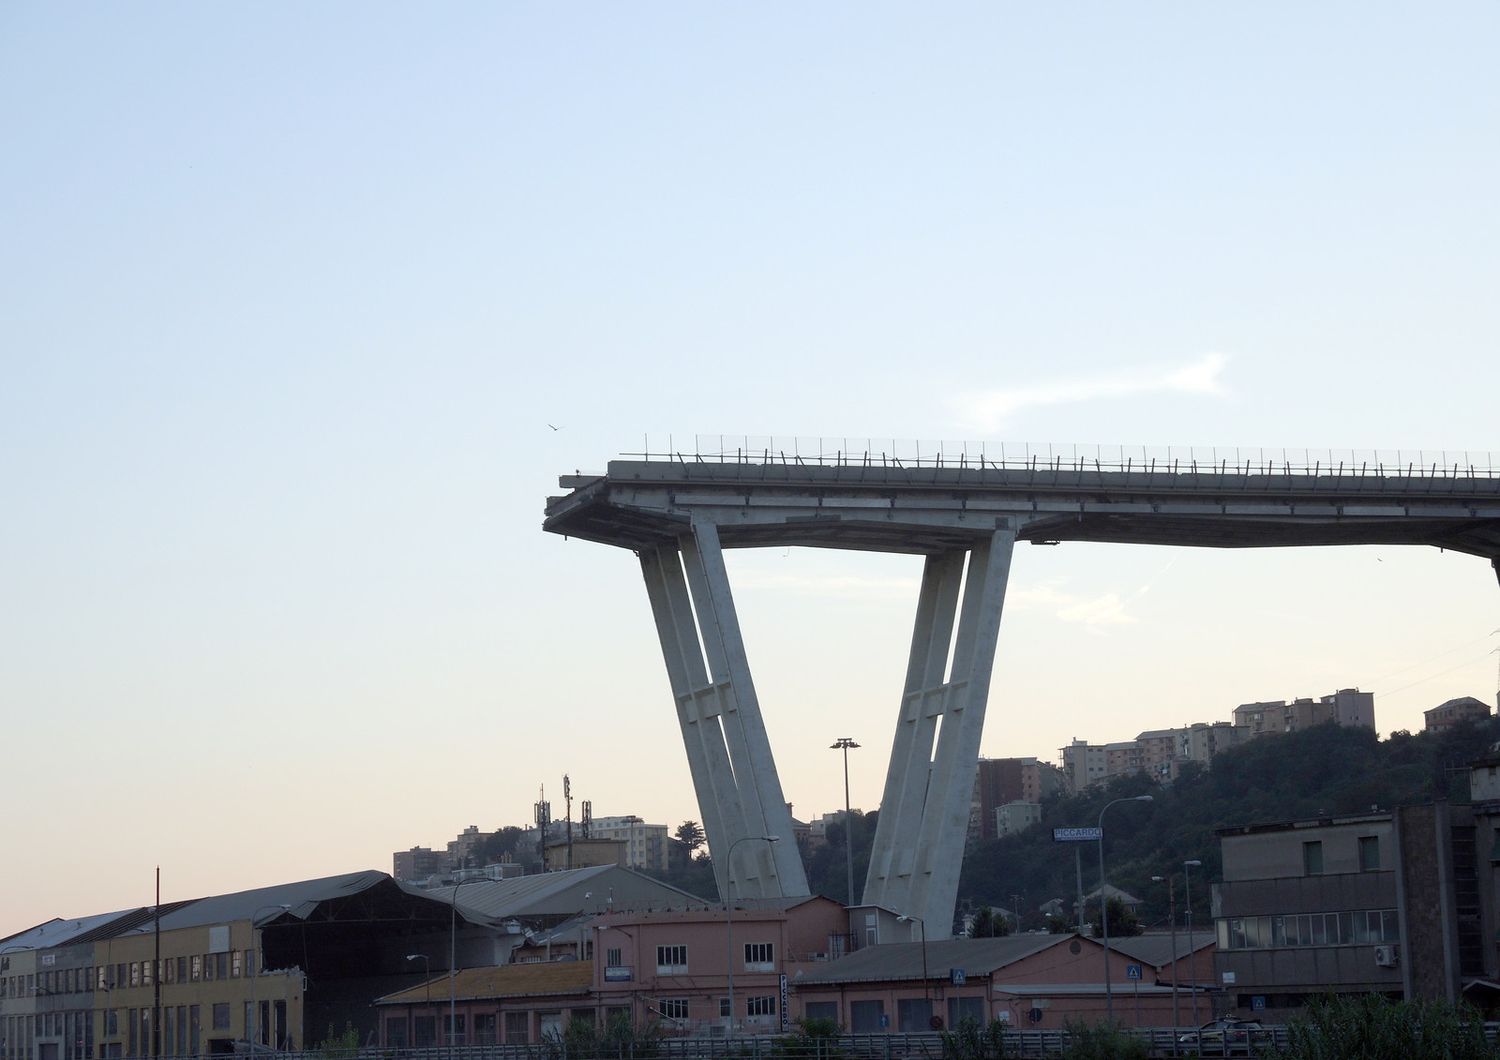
[(1109, 998), (845, 743), (1187, 880), (1172, 922), (729, 912), (926, 986), (427, 975), (255, 955), (453, 960)]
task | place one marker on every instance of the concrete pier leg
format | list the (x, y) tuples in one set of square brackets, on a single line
[(924, 815), (729, 753)]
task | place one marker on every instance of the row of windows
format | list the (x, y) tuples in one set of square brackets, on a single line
[(673, 960), (676, 1008), (1356, 928), (199, 967)]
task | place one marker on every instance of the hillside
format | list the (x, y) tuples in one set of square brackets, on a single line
[(1322, 771)]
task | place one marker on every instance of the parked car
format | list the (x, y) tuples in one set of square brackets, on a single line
[(1228, 1036)]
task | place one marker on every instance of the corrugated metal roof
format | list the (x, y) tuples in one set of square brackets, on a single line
[(125, 921), (61, 932), (1156, 949), (904, 960), (301, 897), (502, 981), (551, 893)]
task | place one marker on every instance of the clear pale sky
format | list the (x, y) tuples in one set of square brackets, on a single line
[(292, 293)]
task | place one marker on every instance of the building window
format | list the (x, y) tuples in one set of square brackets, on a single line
[(515, 1028), (1358, 927), (913, 1014), (1312, 858), (723, 1008), (824, 1010), (761, 1006), (612, 957), (1369, 853), (759, 957), (673, 1008), (671, 960), (197, 972), (221, 1016)]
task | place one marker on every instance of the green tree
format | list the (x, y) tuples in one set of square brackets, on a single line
[(988, 923), (1123, 922), (970, 1041), (1101, 1041), (690, 835), (1370, 1027)]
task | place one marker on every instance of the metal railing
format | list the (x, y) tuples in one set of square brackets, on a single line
[(980, 455), (1160, 1041)]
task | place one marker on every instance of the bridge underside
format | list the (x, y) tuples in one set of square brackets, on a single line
[(679, 517), (638, 504)]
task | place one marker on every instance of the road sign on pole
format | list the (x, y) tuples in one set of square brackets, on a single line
[(1077, 835)]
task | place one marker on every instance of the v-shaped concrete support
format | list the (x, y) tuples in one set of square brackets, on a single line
[(924, 816), (729, 755)]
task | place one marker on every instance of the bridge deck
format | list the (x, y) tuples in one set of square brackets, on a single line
[(640, 503)]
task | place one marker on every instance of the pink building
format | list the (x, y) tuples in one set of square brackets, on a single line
[(673, 966), (1026, 981), (669, 968)]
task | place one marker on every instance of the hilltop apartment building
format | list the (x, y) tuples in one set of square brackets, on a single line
[(1161, 753)]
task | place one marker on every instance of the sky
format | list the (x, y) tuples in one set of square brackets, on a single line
[(306, 308)]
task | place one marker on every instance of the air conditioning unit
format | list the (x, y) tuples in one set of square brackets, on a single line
[(1386, 956)]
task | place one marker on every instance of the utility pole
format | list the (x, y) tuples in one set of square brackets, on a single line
[(845, 743), (156, 973)]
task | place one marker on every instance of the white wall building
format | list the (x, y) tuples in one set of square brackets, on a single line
[(645, 844)]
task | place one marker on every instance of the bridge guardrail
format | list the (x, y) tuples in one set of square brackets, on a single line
[(1024, 456)]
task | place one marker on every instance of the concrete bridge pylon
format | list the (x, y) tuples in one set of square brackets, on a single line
[(924, 814), (728, 751)]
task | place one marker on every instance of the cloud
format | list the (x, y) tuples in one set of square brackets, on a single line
[(988, 409), (1107, 609)]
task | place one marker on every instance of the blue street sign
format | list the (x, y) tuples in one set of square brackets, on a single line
[(885, 1020), (1258, 1002), (1077, 835), (1132, 971), (956, 976)]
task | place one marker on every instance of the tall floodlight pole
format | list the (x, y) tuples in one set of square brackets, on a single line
[(453, 960), (1109, 998), (255, 957), (1172, 923), (729, 913), (844, 743), (1187, 880)]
